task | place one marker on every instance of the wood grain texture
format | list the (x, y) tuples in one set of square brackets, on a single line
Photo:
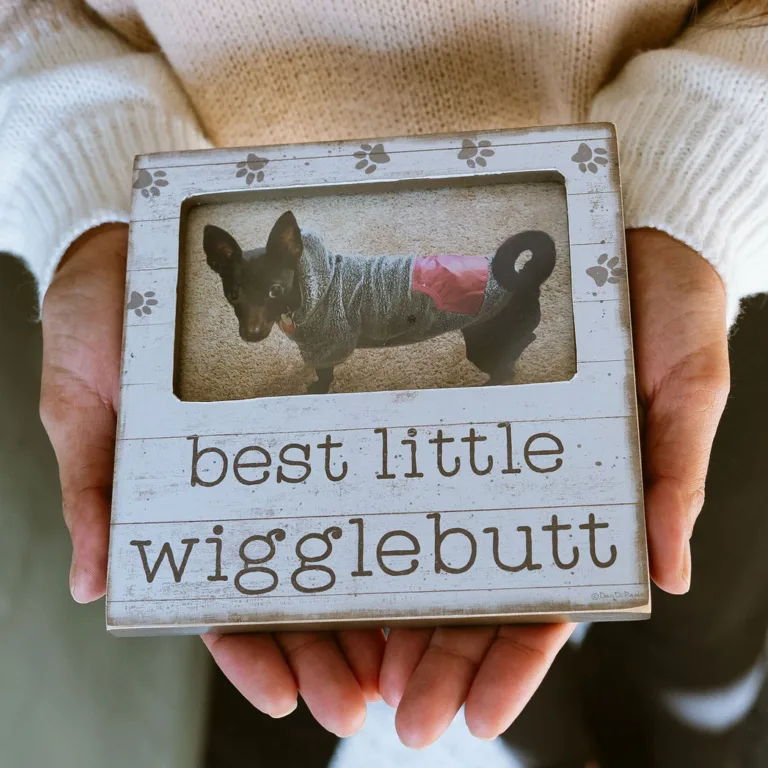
[(285, 511)]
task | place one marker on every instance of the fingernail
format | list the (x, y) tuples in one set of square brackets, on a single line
[(287, 711), (473, 730), (685, 573), (392, 698), (73, 582)]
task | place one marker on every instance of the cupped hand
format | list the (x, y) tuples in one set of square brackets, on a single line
[(682, 375), (681, 351), (82, 330)]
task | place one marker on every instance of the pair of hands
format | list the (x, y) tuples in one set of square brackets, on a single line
[(682, 376)]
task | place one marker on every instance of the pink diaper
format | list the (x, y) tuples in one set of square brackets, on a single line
[(456, 283)]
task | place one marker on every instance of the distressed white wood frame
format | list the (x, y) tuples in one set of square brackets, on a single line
[(594, 415)]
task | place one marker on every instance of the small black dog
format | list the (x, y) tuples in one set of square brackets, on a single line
[(331, 305)]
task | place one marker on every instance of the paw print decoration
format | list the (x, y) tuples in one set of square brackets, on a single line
[(150, 183), (589, 159), (141, 303), (368, 157), (251, 168), (475, 154), (606, 270)]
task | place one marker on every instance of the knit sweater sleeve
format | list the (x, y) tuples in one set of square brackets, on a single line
[(77, 103), (692, 122)]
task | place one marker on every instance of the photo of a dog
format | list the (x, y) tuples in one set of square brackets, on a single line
[(332, 304), (374, 289)]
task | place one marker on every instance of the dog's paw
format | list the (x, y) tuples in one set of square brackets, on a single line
[(606, 270), (501, 376)]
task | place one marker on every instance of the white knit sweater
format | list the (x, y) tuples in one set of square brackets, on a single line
[(81, 94)]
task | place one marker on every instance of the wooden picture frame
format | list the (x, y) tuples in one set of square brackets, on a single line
[(555, 532)]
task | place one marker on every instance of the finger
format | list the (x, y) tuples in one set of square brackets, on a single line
[(325, 680), (682, 419), (82, 429), (90, 542), (440, 684), (510, 673), (256, 667), (363, 650), (402, 655)]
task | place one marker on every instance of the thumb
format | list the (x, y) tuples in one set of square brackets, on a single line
[(681, 346), (82, 429), (82, 330), (681, 422)]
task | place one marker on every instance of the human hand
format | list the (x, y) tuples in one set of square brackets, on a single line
[(82, 332), (681, 352), (683, 380)]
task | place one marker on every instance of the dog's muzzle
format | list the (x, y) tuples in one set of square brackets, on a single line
[(259, 333)]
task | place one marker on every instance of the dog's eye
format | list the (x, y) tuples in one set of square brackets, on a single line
[(276, 291)]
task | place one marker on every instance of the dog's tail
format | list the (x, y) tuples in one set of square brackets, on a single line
[(534, 271)]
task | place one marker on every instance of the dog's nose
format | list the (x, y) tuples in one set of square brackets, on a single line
[(255, 334)]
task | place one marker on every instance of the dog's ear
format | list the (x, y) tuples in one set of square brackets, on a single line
[(221, 249), (285, 240)]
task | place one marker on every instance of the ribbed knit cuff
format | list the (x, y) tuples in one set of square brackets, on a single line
[(80, 178), (697, 168)]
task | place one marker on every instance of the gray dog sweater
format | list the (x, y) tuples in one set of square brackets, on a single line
[(350, 302)]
